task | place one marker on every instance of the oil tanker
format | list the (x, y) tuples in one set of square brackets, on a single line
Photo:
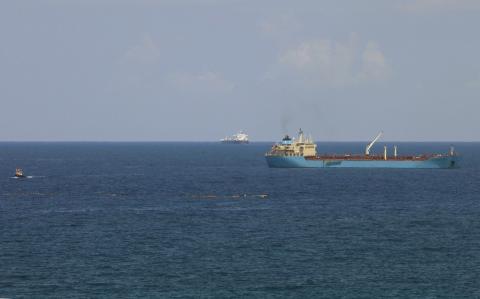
[(302, 153)]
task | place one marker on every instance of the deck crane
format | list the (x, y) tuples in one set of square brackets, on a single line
[(367, 149)]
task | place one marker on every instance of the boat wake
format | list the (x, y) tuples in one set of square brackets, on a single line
[(28, 177), (235, 196)]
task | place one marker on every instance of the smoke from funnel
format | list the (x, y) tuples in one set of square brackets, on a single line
[(285, 120)]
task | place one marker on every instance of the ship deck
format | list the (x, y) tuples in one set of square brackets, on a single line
[(370, 158)]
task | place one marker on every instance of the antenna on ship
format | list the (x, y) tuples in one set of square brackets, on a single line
[(369, 146)]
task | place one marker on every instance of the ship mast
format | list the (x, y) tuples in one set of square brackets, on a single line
[(300, 136), (369, 146)]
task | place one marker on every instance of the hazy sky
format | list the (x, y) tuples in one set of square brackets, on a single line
[(198, 70)]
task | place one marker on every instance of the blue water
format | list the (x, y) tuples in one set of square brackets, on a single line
[(185, 220)]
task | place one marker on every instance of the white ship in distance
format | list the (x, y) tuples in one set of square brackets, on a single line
[(240, 137)]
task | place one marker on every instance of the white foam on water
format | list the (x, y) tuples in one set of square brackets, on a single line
[(28, 177)]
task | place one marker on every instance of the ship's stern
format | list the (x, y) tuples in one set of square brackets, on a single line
[(290, 162)]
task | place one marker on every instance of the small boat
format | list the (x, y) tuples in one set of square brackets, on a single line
[(19, 173)]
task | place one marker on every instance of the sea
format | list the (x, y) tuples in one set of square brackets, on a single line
[(210, 220)]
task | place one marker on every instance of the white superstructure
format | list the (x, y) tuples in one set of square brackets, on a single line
[(240, 137)]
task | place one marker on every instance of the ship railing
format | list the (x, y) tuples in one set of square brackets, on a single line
[(370, 157), (274, 152), (282, 153)]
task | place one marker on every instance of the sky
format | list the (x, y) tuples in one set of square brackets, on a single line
[(198, 70)]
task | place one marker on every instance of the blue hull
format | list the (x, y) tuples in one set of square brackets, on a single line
[(301, 162)]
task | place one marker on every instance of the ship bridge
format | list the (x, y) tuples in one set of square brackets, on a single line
[(302, 146)]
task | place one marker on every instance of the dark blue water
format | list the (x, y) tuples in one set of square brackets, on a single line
[(185, 220)]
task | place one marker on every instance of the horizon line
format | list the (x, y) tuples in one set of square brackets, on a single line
[(217, 141)]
